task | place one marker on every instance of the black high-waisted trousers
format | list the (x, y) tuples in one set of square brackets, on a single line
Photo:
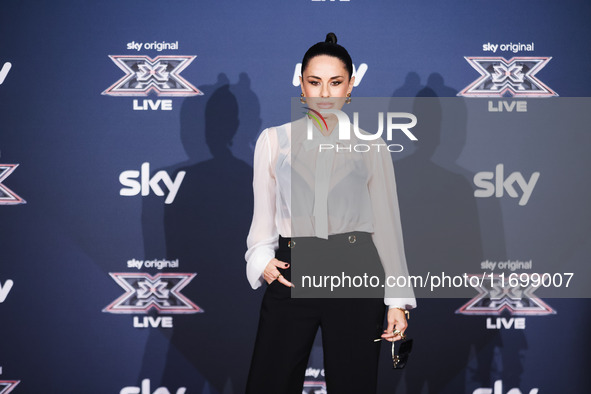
[(287, 326)]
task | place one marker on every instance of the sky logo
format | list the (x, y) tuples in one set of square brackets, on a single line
[(4, 71)]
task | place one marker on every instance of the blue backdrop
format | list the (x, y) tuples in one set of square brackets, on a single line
[(82, 204)]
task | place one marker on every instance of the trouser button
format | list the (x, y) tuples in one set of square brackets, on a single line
[(352, 239), (290, 244)]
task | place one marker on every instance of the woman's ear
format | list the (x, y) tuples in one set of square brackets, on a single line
[(351, 84)]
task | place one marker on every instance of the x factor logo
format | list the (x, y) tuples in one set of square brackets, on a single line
[(7, 196), (160, 75), (143, 292), (6, 386), (495, 296), (500, 77)]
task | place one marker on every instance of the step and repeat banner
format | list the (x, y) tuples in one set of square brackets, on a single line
[(127, 133)]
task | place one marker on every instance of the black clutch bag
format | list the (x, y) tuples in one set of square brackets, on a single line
[(400, 351)]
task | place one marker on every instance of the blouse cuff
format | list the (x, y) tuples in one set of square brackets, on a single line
[(256, 264), (404, 303)]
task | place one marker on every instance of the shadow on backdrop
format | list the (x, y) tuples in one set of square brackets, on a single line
[(206, 228), (442, 228)]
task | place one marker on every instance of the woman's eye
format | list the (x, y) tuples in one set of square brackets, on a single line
[(337, 83), (313, 83)]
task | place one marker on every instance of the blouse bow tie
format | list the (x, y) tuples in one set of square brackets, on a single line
[(324, 163)]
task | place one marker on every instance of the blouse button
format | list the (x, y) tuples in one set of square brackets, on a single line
[(290, 244), (352, 239)]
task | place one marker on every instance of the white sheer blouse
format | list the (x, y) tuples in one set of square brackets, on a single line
[(333, 192)]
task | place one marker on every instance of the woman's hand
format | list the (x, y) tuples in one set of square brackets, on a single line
[(271, 272), (396, 320)]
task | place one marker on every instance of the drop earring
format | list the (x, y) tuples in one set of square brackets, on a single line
[(348, 100), (302, 98)]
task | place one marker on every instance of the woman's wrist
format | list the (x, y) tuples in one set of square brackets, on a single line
[(406, 312)]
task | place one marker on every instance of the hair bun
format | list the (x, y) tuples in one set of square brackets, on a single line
[(331, 38)]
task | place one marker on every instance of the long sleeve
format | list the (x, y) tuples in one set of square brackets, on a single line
[(263, 235), (387, 227)]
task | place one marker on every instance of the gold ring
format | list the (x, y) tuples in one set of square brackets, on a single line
[(278, 276)]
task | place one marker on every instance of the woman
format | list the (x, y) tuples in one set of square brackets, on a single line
[(300, 208)]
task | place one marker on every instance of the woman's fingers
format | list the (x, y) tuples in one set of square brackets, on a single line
[(280, 264), (396, 325), (285, 281), (395, 335), (271, 272)]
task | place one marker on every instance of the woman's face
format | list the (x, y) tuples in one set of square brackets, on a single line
[(325, 83)]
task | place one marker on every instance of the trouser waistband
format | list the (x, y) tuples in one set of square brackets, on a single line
[(350, 238)]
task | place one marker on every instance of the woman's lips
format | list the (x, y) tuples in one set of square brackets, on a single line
[(325, 105)]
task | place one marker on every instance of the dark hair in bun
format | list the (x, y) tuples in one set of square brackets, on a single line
[(331, 38), (331, 48)]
